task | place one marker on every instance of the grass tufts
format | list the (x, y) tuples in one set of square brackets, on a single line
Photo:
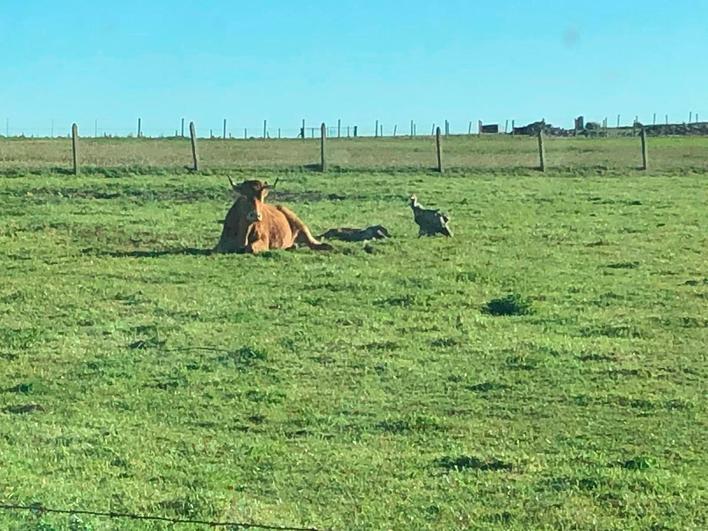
[(513, 304)]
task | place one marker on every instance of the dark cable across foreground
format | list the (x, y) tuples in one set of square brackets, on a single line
[(39, 508)]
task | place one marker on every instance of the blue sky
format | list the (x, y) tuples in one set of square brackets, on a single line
[(360, 61)]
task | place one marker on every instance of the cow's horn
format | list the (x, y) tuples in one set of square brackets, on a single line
[(231, 182), (272, 186)]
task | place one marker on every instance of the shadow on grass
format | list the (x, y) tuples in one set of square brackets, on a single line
[(187, 251), (466, 462)]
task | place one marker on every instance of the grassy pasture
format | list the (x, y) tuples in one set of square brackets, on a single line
[(364, 388)]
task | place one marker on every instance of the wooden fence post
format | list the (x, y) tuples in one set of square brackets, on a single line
[(339, 127), (182, 127), (323, 137), (355, 130), (438, 149), (447, 128), (265, 129), (139, 128), (645, 150), (224, 128), (618, 121), (541, 151), (376, 134), (75, 147), (411, 128), (395, 127), (195, 156)]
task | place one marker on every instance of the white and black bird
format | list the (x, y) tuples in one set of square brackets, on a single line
[(430, 222)]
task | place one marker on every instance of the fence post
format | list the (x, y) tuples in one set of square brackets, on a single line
[(139, 128), (323, 137), (395, 127), (618, 121), (645, 150), (479, 127), (195, 156), (438, 149), (355, 130), (411, 128), (339, 127), (541, 151), (182, 127), (224, 128), (447, 128), (506, 127), (265, 129), (376, 134), (75, 147)]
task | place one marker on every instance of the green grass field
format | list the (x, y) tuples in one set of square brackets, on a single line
[(358, 389)]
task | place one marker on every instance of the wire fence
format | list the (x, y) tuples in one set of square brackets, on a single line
[(460, 152), (336, 128)]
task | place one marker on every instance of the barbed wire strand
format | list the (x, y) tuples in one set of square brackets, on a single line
[(39, 508)]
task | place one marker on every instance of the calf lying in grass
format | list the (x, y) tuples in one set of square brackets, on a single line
[(375, 232)]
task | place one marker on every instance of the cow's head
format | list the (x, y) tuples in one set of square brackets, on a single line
[(252, 188)]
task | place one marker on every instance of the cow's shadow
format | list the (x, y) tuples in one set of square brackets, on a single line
[(187, 251)]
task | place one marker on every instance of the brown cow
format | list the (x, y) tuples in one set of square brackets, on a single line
[(252, 226)]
